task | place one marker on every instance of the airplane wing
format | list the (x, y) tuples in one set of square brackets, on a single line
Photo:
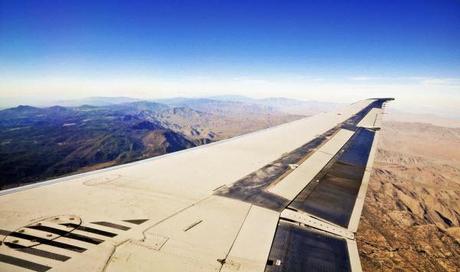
[(288, 198)]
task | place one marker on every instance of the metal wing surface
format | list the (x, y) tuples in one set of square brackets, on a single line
[(288, 198)]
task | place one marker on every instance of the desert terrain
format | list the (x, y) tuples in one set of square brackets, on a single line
[(410, 220)]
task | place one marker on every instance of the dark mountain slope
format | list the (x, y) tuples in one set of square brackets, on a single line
[(37, 143)]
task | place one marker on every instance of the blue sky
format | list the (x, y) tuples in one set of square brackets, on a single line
[(304, 49)]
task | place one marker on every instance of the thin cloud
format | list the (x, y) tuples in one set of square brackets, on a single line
[(364, 78), (424, 80), (442, 81)]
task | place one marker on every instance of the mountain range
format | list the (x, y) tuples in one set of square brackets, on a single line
[(42, 143)]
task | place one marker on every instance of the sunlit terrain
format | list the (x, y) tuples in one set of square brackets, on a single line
[(410, 220)]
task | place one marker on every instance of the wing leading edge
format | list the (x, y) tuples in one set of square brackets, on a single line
[(284, 199)]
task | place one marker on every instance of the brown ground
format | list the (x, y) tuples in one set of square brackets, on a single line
[(410, 220)]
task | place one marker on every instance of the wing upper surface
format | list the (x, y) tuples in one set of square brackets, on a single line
[(212, 208)]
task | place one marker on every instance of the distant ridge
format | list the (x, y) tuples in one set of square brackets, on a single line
[(38, 143), (96, 101)]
